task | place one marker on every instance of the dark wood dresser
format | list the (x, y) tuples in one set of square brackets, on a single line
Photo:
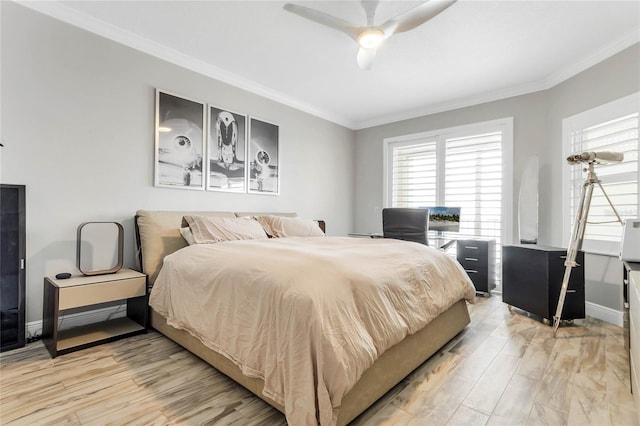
[(532, 278), (478, 258)]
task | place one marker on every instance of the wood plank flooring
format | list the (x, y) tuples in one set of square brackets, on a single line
[(504, 369)]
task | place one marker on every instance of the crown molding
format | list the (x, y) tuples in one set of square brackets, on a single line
[(627, 40), (59, 11), (71, 16), (450, 106)]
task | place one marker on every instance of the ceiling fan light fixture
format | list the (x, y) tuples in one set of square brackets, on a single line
[(370, 38)]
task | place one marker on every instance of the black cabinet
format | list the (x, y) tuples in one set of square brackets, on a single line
[(532, 278), (12, 266), (478, 258)]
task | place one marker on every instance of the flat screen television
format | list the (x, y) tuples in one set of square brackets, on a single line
[(444, 219)]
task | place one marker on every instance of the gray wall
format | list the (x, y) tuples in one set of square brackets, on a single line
[(607, 81), (537, 131), (78, 122), (528, 135)]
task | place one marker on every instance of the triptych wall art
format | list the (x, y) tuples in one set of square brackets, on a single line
[(200, 146)]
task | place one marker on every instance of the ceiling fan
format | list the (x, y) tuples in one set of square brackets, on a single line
[(370, 37)]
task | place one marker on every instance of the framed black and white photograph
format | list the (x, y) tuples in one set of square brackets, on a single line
[(180, 137), (263, 157), (227, 151)]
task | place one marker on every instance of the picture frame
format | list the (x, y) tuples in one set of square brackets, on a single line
[(264, 157), (179, 142), (227, 151)]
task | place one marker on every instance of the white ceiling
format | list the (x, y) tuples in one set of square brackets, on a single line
[(475, 51)]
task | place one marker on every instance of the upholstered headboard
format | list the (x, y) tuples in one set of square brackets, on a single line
[(158, 235)]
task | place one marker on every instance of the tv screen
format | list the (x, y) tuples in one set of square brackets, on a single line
[(444, 219)]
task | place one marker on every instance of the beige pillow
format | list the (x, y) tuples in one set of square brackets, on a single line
[(160, 236), (207, 230), (279, 226), (187, 235)]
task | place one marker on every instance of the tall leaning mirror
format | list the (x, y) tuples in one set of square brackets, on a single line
[(99, 247)]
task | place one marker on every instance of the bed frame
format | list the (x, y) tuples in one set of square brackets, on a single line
[(157, 235)]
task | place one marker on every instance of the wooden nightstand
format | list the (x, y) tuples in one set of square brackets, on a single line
[(84, 292)]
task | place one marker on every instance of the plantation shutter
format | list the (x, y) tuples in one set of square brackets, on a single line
[(473, 181), (470, 177), (414, 175), (619, 180)]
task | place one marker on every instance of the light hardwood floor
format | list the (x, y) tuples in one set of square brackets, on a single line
[(504, 369)]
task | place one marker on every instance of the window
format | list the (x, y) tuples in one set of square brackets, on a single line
[(413, 180), (610, 127), (468, 167), (473, 180)]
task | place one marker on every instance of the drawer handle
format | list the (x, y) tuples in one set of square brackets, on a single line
[(473, 259), (472, 271), (571, 291), (471, 247)]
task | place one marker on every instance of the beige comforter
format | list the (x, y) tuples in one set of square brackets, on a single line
[(306, 315)]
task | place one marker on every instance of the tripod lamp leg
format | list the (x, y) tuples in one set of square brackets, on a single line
[(563, 294), (575, 244)]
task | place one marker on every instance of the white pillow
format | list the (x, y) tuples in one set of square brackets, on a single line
[(279, 226), (207, 230)]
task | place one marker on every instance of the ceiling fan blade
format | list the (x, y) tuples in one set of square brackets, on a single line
[(415, 17), (365, 58), (370, 7), (322, 18)]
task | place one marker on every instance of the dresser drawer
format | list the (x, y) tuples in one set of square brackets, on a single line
[(473, 251), (85, 295), (478, 276), (472, 263), (634, 306), (634, 322), (477, 257)]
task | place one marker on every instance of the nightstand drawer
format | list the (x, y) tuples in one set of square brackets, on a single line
[(84, 295)]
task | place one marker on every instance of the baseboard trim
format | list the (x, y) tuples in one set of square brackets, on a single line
[(605, 314), (34, 328)]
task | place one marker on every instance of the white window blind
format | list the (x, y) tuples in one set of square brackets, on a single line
[(473, 181), (613, 127), (414, 174), (469, 176)]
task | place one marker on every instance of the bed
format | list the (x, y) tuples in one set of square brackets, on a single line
[(320, 379)]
